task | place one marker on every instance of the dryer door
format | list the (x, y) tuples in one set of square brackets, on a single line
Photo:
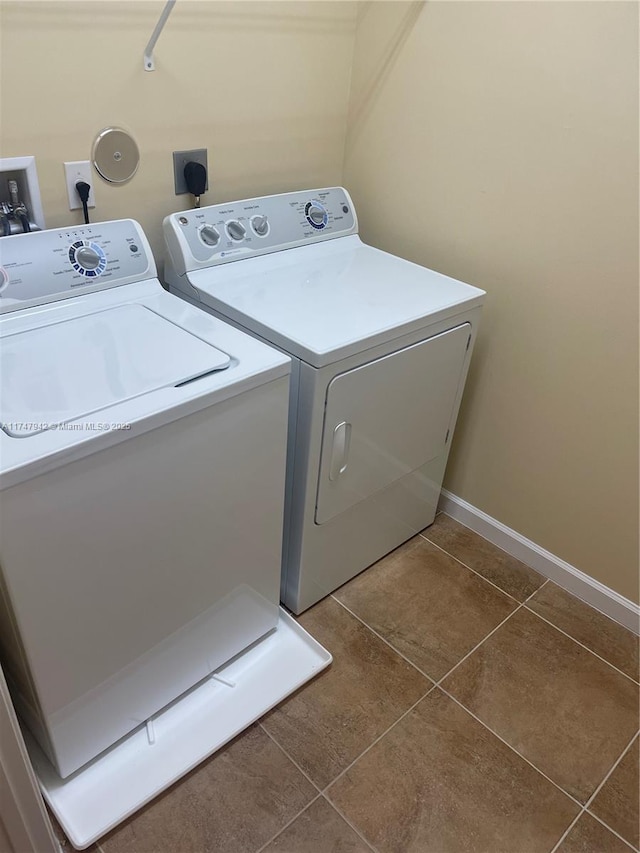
[(387, 418)]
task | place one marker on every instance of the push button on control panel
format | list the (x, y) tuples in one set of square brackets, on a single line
[(87, 258)]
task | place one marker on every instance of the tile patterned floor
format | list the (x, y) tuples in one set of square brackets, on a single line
[(471, 706)]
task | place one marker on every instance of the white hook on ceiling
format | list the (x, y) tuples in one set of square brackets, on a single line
[(155, 35)]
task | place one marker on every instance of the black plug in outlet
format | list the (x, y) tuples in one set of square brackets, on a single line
[(195, 175), (180, 160)]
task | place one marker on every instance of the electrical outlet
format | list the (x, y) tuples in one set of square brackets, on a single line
[(78, 170), (180, 160)]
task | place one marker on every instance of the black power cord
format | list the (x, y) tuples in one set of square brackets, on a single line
[(83, 189)]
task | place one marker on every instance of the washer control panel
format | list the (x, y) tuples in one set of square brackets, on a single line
[(47, 265), (226, 232)]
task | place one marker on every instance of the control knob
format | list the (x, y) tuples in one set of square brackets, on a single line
[(209, 235), (316, 214), (260, 225), (236, 230), (88, 258)]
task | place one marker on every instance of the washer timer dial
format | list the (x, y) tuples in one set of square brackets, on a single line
[(316, 215), (87, 258)]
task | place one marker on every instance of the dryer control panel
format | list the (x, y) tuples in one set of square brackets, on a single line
[(222, 233), (44, 266)]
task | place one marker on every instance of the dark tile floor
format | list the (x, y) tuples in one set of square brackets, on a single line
[(471, 706)]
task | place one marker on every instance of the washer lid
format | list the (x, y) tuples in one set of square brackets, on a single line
[(57, 373), (331, 300)]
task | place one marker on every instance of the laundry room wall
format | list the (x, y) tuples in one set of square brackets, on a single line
[(498, 142), (262, 85)]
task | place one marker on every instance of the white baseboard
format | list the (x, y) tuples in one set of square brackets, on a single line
[(607, 600)]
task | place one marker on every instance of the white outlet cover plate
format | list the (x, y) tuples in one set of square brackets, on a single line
[(78, 170)]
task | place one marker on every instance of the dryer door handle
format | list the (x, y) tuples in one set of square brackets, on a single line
[(340, 450)]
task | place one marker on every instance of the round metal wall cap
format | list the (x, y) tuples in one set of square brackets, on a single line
[(115, 155)]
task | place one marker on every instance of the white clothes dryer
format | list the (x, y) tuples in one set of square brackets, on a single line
[(380, 349), (142, 469)]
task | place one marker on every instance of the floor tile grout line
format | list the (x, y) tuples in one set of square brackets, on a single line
[(613, 831), (288, 824), (595, 794), (595, 817), (350, 823), (512, 748), (499, 625), (477, 646), (291, 759), (536, 591), (323, 791), (567, 831), (422, 672), (477, 573), (613, 767), (584, 811), (385, 641), (374, 742), (604, 660), (526, 600), (546, 579)]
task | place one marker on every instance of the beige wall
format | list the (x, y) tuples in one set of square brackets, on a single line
[(238, 78), (498, 142)]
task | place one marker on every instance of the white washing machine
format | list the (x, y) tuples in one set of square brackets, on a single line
[(142, 473), (380, 350)]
